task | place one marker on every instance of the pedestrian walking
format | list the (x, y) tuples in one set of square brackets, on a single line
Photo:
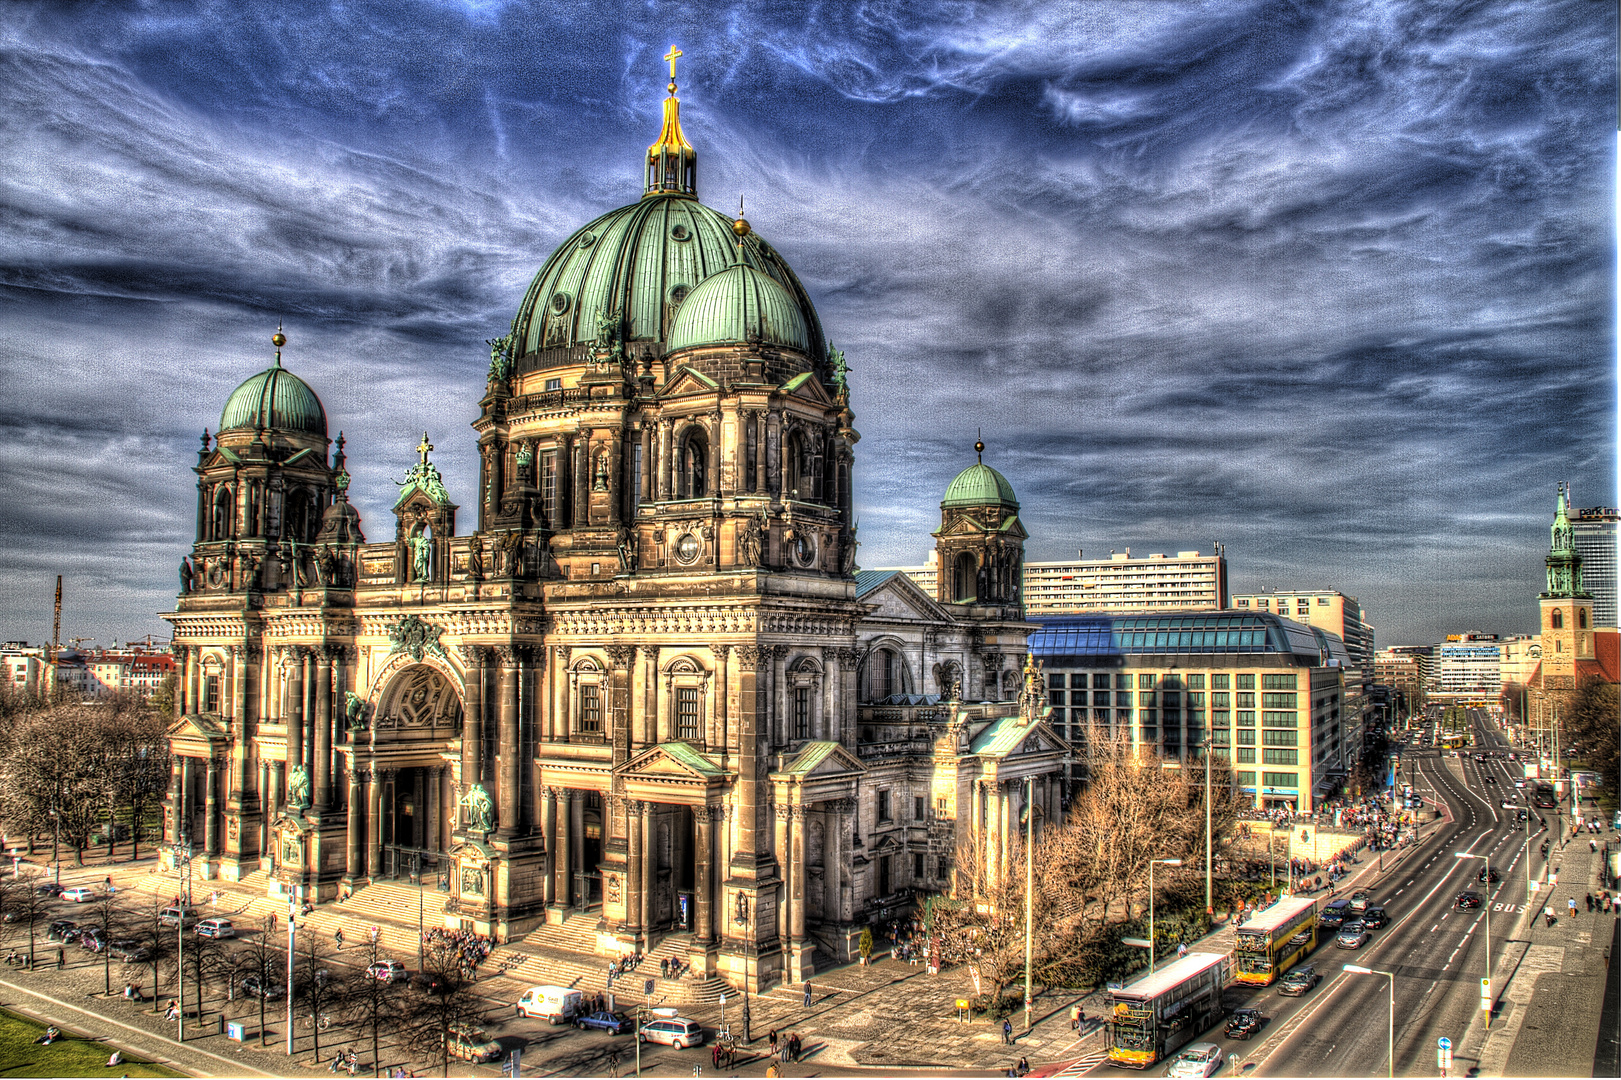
[(1590, 903), (796, 1045), (771, 1037), (1547, 915), (1181, 950), (807, 993), (61, 959), (337, 935), (613, 1063), (1007, 1031)]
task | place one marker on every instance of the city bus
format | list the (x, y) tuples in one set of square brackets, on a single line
[(1454, 742), (1276, 939), (1158, 1013)]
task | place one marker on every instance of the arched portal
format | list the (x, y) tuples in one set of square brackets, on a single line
[(401, 824)]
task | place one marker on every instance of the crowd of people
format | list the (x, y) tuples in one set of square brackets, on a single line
[(470, 949)]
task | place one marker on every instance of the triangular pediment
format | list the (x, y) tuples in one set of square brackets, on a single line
[(1010, 737), (818, 759), (886, 844), (199, 726), (902, 598), (684, 380), (671, 761), (808, 387)]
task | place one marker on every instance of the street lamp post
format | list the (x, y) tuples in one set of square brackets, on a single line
[(1487, 905), (1151, 949), (292, 943), (1390, 1039), (1209, 864), (1029, 889), (416, 872), (182, 851)]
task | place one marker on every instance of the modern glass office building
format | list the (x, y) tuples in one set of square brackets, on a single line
[(1268, 693)]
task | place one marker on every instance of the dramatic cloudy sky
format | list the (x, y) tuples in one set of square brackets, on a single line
[(1331, 283)]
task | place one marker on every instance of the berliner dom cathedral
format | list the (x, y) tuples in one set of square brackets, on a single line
[(633, 691)]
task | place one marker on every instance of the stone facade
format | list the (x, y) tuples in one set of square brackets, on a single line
[(642, 686)]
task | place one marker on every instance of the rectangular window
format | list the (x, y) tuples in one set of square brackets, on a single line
[(211, 695), (554, 384), (1322, 601), (918, 812), (1280, 738), (1280, 757), (801, 711), (1195, 701), (1245, 779), (1221, 737), (1171, 699), (884, 883), (686, 712), (1077, 697), (1220, 718), (1246, 736), (1244, 755), (590, 707), (917, 866), (1246, 718), (1100, 680), (1280, 719), (1246, 701), (1278, 682), (1220, 682), (636, 474), (883, 805), (1245, 682), (1279, 701), (940, 805), (1055, 697), (1122, 681), (1145, 682), (548, 487), (1100, 697), (1055, 681), (1279, 779), (1221, 701), (1122, 699), (1147, 716)]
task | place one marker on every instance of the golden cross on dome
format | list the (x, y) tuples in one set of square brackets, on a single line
[(423, 447), (672, 56)]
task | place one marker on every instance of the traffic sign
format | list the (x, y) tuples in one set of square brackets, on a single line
[(1444, 1043)]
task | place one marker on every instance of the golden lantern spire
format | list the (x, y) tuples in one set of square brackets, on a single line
[(672, 163)]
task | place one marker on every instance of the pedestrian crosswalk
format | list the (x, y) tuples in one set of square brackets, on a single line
[(1080, 1066)]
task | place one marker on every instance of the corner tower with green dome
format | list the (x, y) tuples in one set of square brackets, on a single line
[(980, 543)]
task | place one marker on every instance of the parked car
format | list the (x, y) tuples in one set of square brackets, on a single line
[(387, 971), (92, 938), (471, 1044), (614, 1023), (50, 888), (1359, 900), (216, 928), (677, 1031), (269, 989), (1299, 981), (1353, 935), (1468, 900), (1245, 1022), (129, 951), (63, 930), (1375, 918), (1200, 1059), (178, 916), (79, 894)]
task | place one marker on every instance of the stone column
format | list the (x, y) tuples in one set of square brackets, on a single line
[(563, 803), (239, 706), (322, 773), (188, 679), (703, 888), (294, 718), (184, 814), (833, 859), (633, 860), (616, 473), (781, 847), (473, 723), (796, 893), (649, 867), (357, 823), (511, 747), (759, 454), (435, 818), (211, 819), (306, 713), (993, 829), (374, 821), (662, 466), (582, 479), (278, 786), (548, 837), (749, 708)]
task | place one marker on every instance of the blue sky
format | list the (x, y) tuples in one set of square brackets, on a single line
[(1330, 283)]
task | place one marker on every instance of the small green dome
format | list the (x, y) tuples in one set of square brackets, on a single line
[(738, 304), (274, 398), (980, 485)]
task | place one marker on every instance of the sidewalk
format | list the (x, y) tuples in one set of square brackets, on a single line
[(1550, 982)]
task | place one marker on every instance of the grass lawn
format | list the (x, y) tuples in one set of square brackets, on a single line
[(67, 1056)]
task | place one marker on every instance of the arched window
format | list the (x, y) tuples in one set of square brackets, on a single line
[(1556, 619), (965, 577), (794, 478), (886, 674), (1581, 618), (224, 512), (694, 463), (301, 515), (588, 699)]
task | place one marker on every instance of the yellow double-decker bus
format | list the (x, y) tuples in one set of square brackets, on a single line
[(1158, 1013), (1276, 939)]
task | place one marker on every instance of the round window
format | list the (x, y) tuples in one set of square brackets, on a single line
[(560, 302), (587, 240), (687, 548), (679, 232)]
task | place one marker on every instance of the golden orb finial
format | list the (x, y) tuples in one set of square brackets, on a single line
[(278, 339), (979, 449), (742, 227)]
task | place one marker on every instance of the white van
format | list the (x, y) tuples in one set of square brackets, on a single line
[(558, 1004)]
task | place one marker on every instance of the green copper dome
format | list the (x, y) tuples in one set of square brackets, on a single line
[(633, 268), (274, 398), (736, 305), (980, 485)]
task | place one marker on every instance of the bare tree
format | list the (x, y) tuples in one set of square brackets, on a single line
[(447, 1005), (147, 917), (109, 916), (374, 1005), (32, 905), (260, 958), (138, 762), (318, 983)]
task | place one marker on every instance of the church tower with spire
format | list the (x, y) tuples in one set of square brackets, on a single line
[(1566, 607)]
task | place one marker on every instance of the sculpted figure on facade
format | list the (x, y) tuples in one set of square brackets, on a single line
[(480, 809), (298, 786)]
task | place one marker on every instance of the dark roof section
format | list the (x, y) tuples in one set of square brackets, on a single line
[(1086, 639), (868, 580)]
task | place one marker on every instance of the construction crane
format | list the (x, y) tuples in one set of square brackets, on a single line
[(56, 642)]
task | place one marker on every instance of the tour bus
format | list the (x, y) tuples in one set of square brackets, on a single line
[(1158, 1013), (1276, 939)]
